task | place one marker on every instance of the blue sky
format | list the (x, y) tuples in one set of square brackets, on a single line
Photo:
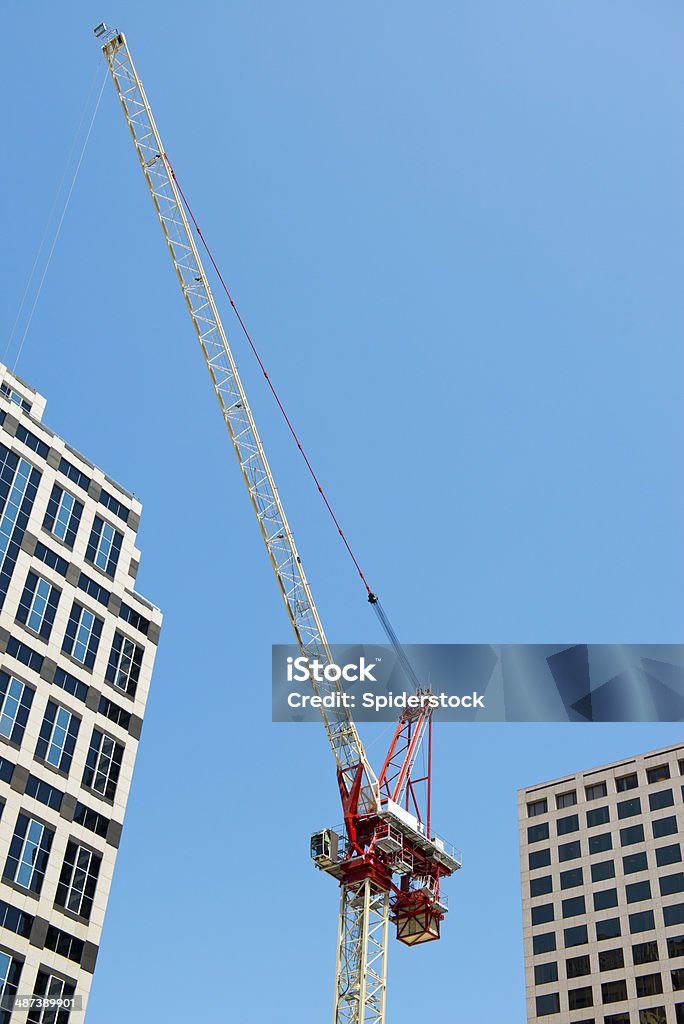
[(455, 233)]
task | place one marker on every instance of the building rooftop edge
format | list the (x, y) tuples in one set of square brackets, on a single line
[(601, 767)]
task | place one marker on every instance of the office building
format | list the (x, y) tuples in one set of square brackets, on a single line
[(77, 645), (603, 893)]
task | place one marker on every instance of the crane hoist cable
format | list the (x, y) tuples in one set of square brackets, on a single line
[(372, 597)]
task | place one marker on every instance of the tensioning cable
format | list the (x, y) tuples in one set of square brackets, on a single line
[(372, 597)]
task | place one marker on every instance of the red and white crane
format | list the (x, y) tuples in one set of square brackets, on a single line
[(388, 861)]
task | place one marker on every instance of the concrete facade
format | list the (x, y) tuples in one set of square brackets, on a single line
[(77, 647), (603, 893)]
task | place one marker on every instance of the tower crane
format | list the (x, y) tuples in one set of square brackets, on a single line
[(387, 860)]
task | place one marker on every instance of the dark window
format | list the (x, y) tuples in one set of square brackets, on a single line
[(577, 966), (659, 773), (540, 886), (93, 589), (53, 987), (71, 684), (104, 763), (664, 827), (566, 799), (628, 808), (123, 671), (675, 946), (536, 807), (632, 834), (567, 824), (545, 943), (569, 851), (626, 782), (545, 973), (135, 619), (597, 816), (10, 971), (645, 953), (17, 921), (74, 474), (599, 844), (641, 921), (63, 515), (634, 862), (609, 929), (548, 1004), (638, 891), (569, 879), (78, 879), (539, 859), (114, 713), (668, 855), (578, 998), (617, 1018), (611, 959), (605, 899), (65, 944), (44, 792), (28, 853), (104, 546), (670, 884), (543, 914), (57, 737), (603, 870), (115, 506), (576, 936), (38, 604), (52, 559), (82, 635), (677, 977), (596, 791), (32, 442), (658, 801), (649, 985), (654, 1015), (25, 654), (674, 915), (679, 1007), (15, 703), (97, 823), (613, 991), (573, 906), (535, 833)]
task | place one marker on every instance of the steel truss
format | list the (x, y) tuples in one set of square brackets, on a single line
[(230, 393), (361, 976)]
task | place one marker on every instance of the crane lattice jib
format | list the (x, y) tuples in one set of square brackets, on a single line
[(277, 535)]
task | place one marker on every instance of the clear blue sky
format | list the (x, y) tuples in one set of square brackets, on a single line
[(455, 230)]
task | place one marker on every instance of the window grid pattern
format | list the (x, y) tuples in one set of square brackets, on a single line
[(63, 515), (78, 879), (125, 662), (15, 703), (659, 898), (57, 737), (28, 853), (103, 764), (82, 635)]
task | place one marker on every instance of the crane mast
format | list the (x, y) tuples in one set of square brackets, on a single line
[(382, 837)]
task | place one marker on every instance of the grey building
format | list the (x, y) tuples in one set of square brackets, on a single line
[(603, 893), (77, 645)]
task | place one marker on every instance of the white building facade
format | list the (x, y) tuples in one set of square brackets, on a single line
[(603, 893), (77, 647)]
